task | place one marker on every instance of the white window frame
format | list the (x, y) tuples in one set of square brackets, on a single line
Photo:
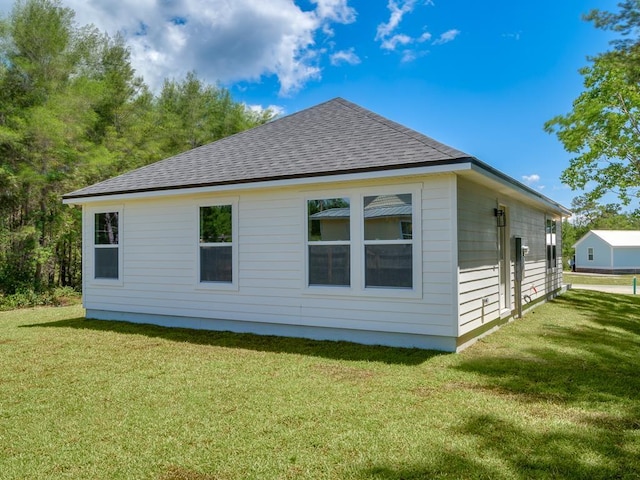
[(226, 286), (403, 241), (320, 243), (90, 257), (590, 254), (357, 252)]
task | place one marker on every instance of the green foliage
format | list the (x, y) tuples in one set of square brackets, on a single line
[(625, 22), (72, 113), (26, 298), (603, 129), (215, 224)]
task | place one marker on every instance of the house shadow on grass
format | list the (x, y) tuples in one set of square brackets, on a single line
[(263, 343)]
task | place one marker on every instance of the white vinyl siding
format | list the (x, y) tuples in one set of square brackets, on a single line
[(161, 263), (478, 253), (626, 257)]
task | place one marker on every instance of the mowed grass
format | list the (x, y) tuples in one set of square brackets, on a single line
[(553, 395), (590, 279)]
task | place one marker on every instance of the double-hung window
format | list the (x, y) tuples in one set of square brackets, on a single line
[(590, 254), (365, 242), (329, 241), (106, 245), (388, 240), (216, 244), (551, 243)]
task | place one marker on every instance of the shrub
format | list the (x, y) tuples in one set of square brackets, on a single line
[(25, 298)]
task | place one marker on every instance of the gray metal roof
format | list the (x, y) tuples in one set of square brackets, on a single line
[(375, 212), (332, 138)]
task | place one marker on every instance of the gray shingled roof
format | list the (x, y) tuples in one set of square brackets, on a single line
[(332, 138)]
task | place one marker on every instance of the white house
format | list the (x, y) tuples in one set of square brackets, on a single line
[(330, 223), (608, 251)]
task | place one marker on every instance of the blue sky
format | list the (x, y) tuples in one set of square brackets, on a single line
[(480, 76)]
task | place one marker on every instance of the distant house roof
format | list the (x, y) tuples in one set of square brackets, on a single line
[(618, 238), (334, 138), (381, 206)]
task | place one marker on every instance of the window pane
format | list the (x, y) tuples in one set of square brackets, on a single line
[(329, 219), (329, 265), (106, 262), (389, 266), (106, 228), (216, 264), (215, 224), (388, 217), (551, 256)]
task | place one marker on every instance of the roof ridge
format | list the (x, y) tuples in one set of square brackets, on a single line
[(409, 132)]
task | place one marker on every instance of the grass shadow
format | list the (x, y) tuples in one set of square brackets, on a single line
[(606, 309), (334, 350), (554, 452), (511, 451), (590, 368), (575, 362)]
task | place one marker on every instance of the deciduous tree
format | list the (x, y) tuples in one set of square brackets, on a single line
[(603, 129)]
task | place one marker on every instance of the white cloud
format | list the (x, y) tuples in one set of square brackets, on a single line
[(223, 41), (425, 37), (345, 56), (398, 10), (390, 40), (447, 37), (335, 10), (411, 55), (277, 110), (531, 179), (393, 42), (513, 36)]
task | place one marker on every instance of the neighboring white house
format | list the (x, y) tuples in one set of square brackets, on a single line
[(330, 223), (608, 251)]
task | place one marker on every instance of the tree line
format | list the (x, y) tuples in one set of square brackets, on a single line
[(72, 113)]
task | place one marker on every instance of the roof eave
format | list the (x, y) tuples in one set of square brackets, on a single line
[(497, 175), (439, 166)]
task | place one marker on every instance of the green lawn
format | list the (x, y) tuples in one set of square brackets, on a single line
[(600, 279), (554, 395)]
